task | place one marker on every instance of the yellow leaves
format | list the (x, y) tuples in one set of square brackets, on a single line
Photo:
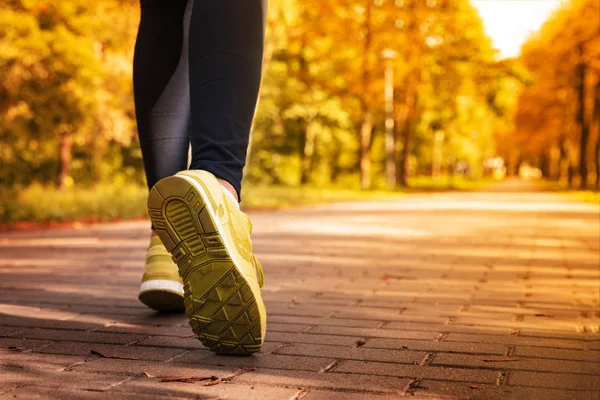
[(19, 110), (547, 107)]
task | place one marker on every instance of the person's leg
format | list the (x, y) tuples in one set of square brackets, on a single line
[(194, 214), (161, 87), (226, 48), (161, 90)]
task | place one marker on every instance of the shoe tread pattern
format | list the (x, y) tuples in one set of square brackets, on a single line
[(219, 303)]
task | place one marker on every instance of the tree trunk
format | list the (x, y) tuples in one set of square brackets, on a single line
[(570, 175), (366, 130), (563, 158), (597, 160), (66, 146), (544, 164), (518, 165), (399, 126), (366, 124), (406, 150), (335, 166), (581, 119), (407, 141), (307, 153), (596, 128)]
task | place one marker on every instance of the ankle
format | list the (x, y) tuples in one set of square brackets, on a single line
[(229, 187)]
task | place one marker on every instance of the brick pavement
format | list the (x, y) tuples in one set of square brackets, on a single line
[(490, 295)]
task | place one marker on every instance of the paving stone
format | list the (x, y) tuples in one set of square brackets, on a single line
[(312, 339), (41, 393), (366, 332), (554, 380), (417, 371), (284, 327), (150, 386), (133, 352), (258, 360), (516, 339), (328, 395), (452, 390), (8, 330), (177, 330), (59, 379), (353, 353), (137, 368), (266, 376), (20, 344), (361, 323), (563, 354), (172, 342), (516, 363), (437, 346), (47, 323), (426, 287), (78, 336)]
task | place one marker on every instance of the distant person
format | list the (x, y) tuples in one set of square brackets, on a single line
[(196, 75)]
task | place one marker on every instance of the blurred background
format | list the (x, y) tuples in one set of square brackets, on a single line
[(360, 99)]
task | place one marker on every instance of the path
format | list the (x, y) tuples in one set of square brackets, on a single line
[(490, 295)]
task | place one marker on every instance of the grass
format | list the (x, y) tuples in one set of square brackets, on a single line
[(109, 202), (589, 196), (288, 196), (447, 182), (44, 204)]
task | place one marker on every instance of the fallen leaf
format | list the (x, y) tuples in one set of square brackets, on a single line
[(360, 343), (386, 277), (11, 348), (97, 353), (149, 375), (228, 378), (412, 386), (299, 394), (188, 379), (473, 387), (329, 367), (243, 371), (544, 315)]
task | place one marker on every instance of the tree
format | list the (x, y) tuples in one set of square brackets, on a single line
[(555, 115), (64, 69)]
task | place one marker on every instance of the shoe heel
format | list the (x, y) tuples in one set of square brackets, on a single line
[(218, 301)]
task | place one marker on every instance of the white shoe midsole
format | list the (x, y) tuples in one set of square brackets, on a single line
[(162, 284)]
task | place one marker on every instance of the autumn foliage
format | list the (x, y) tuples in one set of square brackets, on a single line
[(67, 114), (557, 119)]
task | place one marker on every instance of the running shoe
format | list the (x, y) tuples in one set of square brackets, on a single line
[(209, 238), (161, 288)]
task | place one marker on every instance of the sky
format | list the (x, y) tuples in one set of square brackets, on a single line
[(510, 22)]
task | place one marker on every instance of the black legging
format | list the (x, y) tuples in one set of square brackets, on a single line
[(196, 75)]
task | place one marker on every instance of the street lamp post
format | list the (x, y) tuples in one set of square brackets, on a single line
[(389, 55)]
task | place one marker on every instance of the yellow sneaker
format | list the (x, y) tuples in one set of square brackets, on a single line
[(161, 288), (209, 238)]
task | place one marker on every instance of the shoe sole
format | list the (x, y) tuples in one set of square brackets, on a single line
[(221, 307), (162, 295), (162, 300)]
